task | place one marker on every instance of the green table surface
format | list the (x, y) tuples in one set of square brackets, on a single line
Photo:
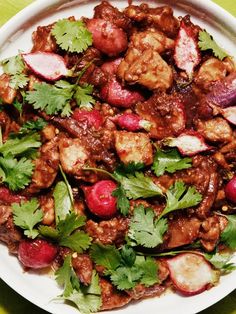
[(13, 303)]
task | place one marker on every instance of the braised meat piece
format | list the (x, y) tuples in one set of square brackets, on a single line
[(47, 205), (7, 94), (133, 147), (143, 63), (111, 297), (141, 292), (166, 114), (43, 39), (162, 17), (108, 232), (83, 267)]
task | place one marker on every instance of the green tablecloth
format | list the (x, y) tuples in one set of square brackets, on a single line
[(10, 301)]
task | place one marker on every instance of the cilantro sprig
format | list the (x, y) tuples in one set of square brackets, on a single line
[(124, 267), (26, 215), (86, 298), (228, 236), (206, 42)]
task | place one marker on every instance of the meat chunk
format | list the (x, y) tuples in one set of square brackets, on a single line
[(111, 297), (134, 147), (73, 157), (161, 18), (143, 63), (9, 234), (140, 291), (211, 71), (182, 231), (47, 206), (215, 130), (43, 40), (108, 232), (7, 94), (210, 232), (83, 267), (107, 12), (46, 167), (166, 114)]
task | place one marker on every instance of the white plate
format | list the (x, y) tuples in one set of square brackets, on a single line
[(16, 35)]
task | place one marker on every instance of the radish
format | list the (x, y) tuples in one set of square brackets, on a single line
[(100, 200), (48, 65), (93, 117), (189, 143), (191, 273), (110, 67), (230, 114), (131, 122), (7, 197), (36, 253), (230, 190), (186, 54)]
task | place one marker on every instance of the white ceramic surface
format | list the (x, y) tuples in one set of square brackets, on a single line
[(16, 35)]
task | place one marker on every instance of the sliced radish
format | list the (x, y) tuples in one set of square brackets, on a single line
[(191, 273), (49, 66), (230, 114), (188, 143), (131, 122), (186, 55)]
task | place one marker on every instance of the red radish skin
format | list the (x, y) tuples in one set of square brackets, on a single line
[(107, 37), (117, 95), (189, 143), (7, 197), (230, 190), (99, 198), (186, 55), (191, 273), (37, 253), (48, 65), (131, 122), (93, 117), (230, 114), (110, 67)]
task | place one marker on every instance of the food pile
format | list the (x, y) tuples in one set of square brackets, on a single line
[(118, 156)]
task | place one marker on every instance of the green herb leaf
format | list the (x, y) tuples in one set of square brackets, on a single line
[(83, 97), (62, 201), (130, 168), (78, 241), (32, 125), (72, 36), (180, 197), (16, 174), (150, 270), (126, 278), (122, 201), (169, 161), (48, 232), (221, 261), (105, 255), (26, 215), (19, 146), (18, 106), (228, 236), (138, 186), (70, 224), (144, 229), (206, 42)]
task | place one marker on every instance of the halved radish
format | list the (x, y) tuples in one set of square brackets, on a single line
[(49, 66), (189, 143), (131, 122), (230, 114), (191, 273)]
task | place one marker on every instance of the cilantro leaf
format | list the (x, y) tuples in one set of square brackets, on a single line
[(78, 241), (144, 229), (62, 200), (126, 277), (83, 97), (228, 236), (169, 161), (15, 67), (206, 42), (26, 215), (128, 256), (48, 232), (138, 186), (56, 99), (221, 261), (16, 174), (105, 255), (130, 168), (150, 270), (122, 201), (18, 146), (18, 106), (32, 125), (72, 36), (180, 197), (70, 224)]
